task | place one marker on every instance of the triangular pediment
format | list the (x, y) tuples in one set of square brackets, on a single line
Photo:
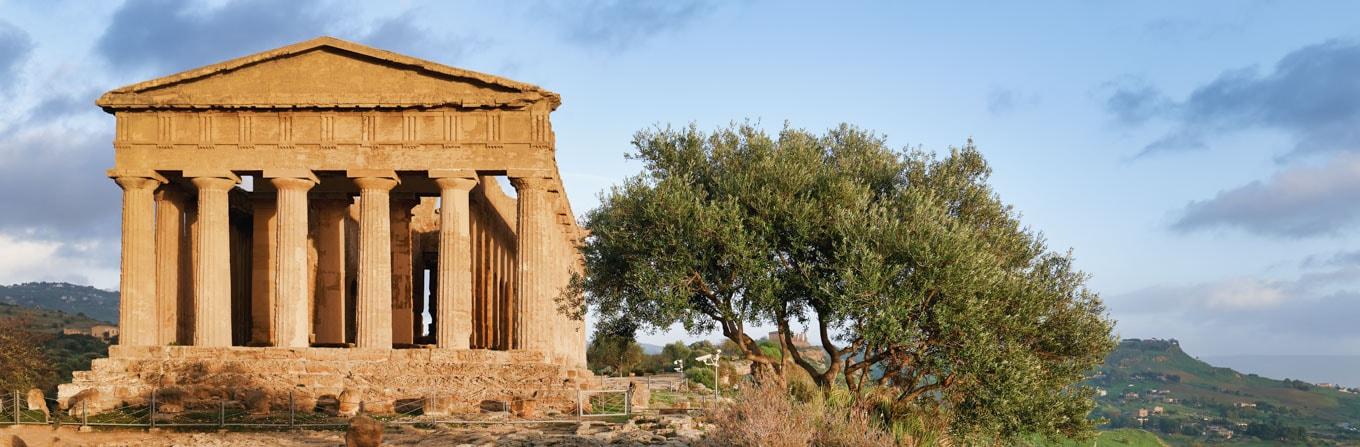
[(327, 73)]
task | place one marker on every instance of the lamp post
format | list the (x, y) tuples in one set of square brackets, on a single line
[(712, 359)]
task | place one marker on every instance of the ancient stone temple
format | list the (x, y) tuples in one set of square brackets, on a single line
[(329, 218)]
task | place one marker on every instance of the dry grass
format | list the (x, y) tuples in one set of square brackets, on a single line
[(765, 416)]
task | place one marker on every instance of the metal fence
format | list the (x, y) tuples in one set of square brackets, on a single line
[(14, 410)]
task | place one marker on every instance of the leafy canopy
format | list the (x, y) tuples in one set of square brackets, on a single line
[(916, 279)]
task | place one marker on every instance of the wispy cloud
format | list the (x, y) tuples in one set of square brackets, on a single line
[(1312, 93), (52, 185), (1001, 100), (14, 49), (1311, 313), (1298, 201), (168, 35), (615, 25)]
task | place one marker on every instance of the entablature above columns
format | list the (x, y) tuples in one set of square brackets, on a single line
[(337, 129)]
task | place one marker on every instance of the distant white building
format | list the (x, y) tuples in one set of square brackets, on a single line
[(104, 331)]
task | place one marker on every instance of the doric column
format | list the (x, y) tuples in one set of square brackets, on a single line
[(534, 219), (185, 309), (373, 309), (291, 322), (262, 253), (455, 260), (507, 296), (137, 283), (169, 257), (403, 316), (330, 264), (212, 259)]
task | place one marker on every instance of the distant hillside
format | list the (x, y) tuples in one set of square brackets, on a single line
[(1201, 403), (44, 321), (69, 298), (1124, 437)]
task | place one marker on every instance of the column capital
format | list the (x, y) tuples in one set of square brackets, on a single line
[(136, 183), (532, 183), (375, 183), (131, 180), (404, 203), (169, 192), (212, 173), (453, 173), (375, 173), (456, 183), (214, 183), (293, 183), (296, 173)]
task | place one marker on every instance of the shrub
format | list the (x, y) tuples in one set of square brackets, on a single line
[(764, 416), (850, 427), (803, 390), (700, 375), (767, 416)]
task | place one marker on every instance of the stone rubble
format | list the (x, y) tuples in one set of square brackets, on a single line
[(669, 430)]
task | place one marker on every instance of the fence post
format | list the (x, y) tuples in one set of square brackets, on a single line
[(151, 413), (221, 413), (580, 406), (84, 415), (290, 408), (16, 406), (628, 402)]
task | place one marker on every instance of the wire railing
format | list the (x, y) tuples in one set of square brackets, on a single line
[(15, 409)]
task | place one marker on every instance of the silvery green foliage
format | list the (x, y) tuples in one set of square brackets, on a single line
[(917, 281)]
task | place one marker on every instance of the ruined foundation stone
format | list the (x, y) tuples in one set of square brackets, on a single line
[(285, 214), (363, 431)]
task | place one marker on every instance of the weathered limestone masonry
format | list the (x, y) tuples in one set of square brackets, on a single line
[(328, 218)]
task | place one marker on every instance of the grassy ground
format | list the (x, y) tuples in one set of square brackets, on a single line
[(1126, 437)]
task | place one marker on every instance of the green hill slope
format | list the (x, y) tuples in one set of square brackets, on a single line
[(70, 298), (1200, 403), (45, 321), (1123, 437)]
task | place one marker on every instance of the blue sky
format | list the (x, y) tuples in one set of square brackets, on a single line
[(1201, 160)]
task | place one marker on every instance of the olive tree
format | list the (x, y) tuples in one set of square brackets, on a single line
[(912, 274)]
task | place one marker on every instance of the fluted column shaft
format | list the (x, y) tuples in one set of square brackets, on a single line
[(169, 256), (137, 283), (212, 266), (403, 317), (330, 264), (373, 310), (455, 264), (291, 323), (534, 222)]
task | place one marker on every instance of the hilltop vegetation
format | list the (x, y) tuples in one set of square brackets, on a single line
[(73, 299), (45, 321), (1201, 403)]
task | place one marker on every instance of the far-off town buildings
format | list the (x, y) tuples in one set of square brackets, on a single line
[(328, 218), (101, 331)]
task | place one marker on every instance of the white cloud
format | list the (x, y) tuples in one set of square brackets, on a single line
[(36, 260), (1244, 293), (1299, 201)]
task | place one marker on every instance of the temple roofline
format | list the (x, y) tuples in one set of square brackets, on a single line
[(130, 97)]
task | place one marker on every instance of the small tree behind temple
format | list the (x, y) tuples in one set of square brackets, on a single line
[(898, 261)]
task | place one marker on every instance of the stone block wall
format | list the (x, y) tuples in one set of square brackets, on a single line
[(459, 380)]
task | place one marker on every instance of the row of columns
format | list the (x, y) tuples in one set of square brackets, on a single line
[(153, 260)]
